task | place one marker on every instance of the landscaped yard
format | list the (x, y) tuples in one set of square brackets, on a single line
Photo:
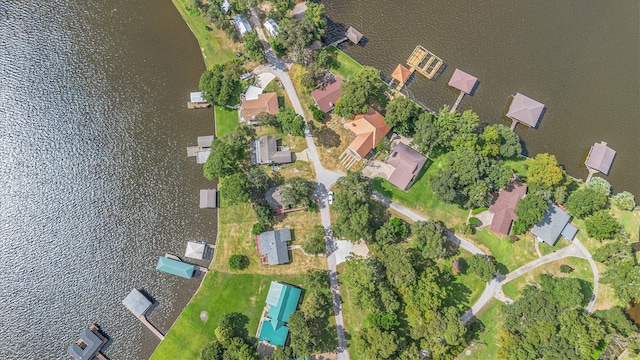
[(216, 47), (295, 143), (346, 65), (509, 255), (546, 249), (581, 267), (226, 120)]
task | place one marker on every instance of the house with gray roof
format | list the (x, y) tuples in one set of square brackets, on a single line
[(265, 150), (554, 225), (272, 246), (242, 25)]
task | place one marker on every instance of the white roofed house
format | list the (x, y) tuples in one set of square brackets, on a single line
[(272, 27), (242, 25)]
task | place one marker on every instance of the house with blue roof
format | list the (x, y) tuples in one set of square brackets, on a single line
[(282, 301), (554, 224)]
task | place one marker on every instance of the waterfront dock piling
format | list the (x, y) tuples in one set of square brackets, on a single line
[(138, 304), (525, 110), (464, 82)]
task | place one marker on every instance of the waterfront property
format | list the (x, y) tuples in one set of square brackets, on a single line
[(554, 224), (401, 75), (265, 150), (424, 62), (272, 27), (353, 35), (250, 108), (197, 101), (204, 143), (326, 94), (272, 247), (175, 267), (195, 250), (208, 199), (503, 207), (242, 25), (282, 300), (600, 159), (464, 82), (369, 129), (89, 345), (407, 164), (525, 110), (138, 304)]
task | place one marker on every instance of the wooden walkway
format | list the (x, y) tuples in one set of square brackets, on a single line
[(339, 41), (194, 105), (457, 103), (424, 62), (145, 321)]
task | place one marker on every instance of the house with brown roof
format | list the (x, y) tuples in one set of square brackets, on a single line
[(369, 129), (326, 94), (407, 164), (263, 103), (504, 206)]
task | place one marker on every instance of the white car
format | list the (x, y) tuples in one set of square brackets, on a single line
[(330, 197)]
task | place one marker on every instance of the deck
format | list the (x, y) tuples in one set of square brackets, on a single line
[(197, 105), (424, 62)]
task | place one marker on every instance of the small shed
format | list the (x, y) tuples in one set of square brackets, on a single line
[(600, 158), (272, 27), (175, 267), (137, 303), (464, 82), (202, 156), (197, 97), (525, 110), (208, 199), (353, 35), (205, 141), (195, 250)]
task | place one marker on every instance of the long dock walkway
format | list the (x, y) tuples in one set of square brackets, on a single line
[(457, 103), (154, 330)]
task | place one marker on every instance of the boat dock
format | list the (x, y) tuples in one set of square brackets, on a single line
[(138, 304), (204, 144), (457, 103), (197, 101), (424, 62), (89, 345)]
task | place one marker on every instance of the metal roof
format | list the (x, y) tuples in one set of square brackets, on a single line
[(174, 267), (273, 244), (525, 110), (282, 300), (202, 156), (601, 158), (205, 141), (407, 164), (208, 199), (354, 35), (195, 250), (136, 302), (197, 97), (552, 225), (266, 151), (93, 344), (463, 81)]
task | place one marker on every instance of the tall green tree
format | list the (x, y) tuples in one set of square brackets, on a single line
[(430, 237), (584, 202), (456, 130), (426, 136), (297, 191), (235, 188), (219, 83), (624, 200), (481, 267), (600, 185), (253, 46), (397, 262), (353, 206), (530, 210), (226, 158), (361, 90), (391, 232), (314, 244), (315, 14), (291, 122), (374, 343), (295, 35), (401, 114), (603, 226), (544, 172)]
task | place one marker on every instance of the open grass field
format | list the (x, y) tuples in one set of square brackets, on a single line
[(227, 120), (581, 267), (346, 66), (215, 46), (546, 249), (485, 346), (509, 256)]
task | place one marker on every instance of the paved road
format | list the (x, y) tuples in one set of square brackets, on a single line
[(324, 180)]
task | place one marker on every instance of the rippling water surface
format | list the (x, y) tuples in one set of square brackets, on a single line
[(95, 181), (580, 58)]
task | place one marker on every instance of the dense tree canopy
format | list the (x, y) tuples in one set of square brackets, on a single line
[(361, 90), (623, 272), (226, 158), (584, 202), (544, 172), (353, 206), (401, 114), (253, 46), (315, 14), (220, 83), (530, 210), (603, 226), (295, 35), (456, 130), (297, 191), (291, 122), (235, 188), (430, 237), (480, 266), (391, 232), (425, 137), (376, 343)]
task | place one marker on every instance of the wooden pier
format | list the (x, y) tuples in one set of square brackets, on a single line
[(197, 105), (457, 103), (424, 62)]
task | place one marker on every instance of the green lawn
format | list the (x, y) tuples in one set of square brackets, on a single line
[(509, 256), (546, 249), (581, 267), (220, 293), (346, 65), (226, 120), (466, 288), (216, 47), (487, 326)]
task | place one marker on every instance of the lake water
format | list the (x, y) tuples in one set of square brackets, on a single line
[(581, 59), (95, 179)]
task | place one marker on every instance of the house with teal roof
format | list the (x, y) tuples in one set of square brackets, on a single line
[(282, 301), (175, 267)]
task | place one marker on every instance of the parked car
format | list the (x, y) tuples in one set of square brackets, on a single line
[(330, 197), (238, 54)]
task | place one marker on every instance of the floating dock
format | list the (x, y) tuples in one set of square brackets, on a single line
[(424, 62), (138, 304)]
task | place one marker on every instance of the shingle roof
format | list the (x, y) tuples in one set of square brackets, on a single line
[(136, 302), (265, 151), (401, 73), (407, 163), (205, 141), (273, 244), (369, 129), (552, 225), (202, 156), (264, 103), (601, 158), (463, 81), (354, 35), (208, 199), (93, 343), (195, 250), (504, 206), (326, 94), (525, 110)]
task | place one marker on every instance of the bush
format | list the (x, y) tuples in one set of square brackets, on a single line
[(519, 227), (624, 201), (258, 228), (477, 211), (582, 203), (603, 226), (566, 269), (238, 262), (600, 185), (474, 221)]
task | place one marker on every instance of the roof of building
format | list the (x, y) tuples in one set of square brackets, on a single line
[(195, 250), (205, 141), (326, 94), (552, 225), (273, 244), (93, 343), (242, 24), (197, 97), (369, 129), (525, 110), (569, 232), (208, 199), (407, 163), (175, 267), (265, 151), (253, 92), (504, 207), (202, 156), (282, 300), (601, 158), (463, 81), (272, 27), (136, 302), (263, 103), (354, 35), (226, 6), (401, 73)]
